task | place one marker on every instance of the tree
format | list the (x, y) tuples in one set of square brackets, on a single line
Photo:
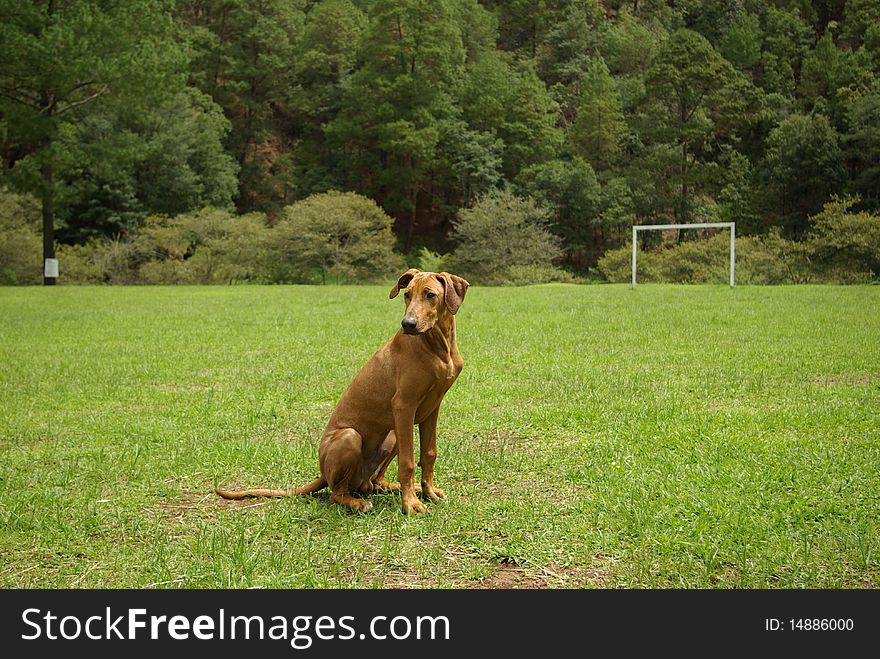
[(165, 159), (326, 56), (846, 244), (629, 44), (572, 195), (694, 97), (827, 76), (599, 130), (523, 24), (861, 17), (474, 158), (862, 142), (568, 50), (395, 106), (503, 238), (338, 235), (804, 166), (786, 42), (184, 166), (60, 62), (508, 99), (741, 45), (244, 56)]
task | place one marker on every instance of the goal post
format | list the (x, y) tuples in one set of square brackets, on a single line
[(662, 227)]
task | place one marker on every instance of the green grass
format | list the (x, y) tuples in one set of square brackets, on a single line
[(598, 437)]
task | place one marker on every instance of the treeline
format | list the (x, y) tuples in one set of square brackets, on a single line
[(601, 114)]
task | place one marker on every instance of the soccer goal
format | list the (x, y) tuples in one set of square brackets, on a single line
[(662, 227)]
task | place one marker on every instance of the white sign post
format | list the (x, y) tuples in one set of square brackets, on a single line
[(50, 268), (661, 227)]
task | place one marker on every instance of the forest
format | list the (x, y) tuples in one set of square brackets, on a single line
[(166, 141)]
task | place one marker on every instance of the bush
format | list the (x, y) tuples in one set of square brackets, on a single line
[(840, 248), (99, 261), (616, 265), (210, 246), (340, 236), (759, 260), (21, 255), (502, 237), (428, 261), (845, 245), (523, 275), (82, 264)]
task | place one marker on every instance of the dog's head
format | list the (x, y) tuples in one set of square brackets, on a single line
[(428, 296)]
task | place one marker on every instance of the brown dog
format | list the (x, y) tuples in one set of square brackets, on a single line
[(401, 385)]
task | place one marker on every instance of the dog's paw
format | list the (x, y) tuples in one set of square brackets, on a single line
[(384, 487), (362, 505), (414, 506), (433, 493)]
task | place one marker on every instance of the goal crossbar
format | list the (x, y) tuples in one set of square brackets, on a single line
[(705, 225)]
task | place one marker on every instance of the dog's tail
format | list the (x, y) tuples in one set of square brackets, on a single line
[(314, 486)]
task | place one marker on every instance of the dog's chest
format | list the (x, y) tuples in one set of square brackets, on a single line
[(441, 384)]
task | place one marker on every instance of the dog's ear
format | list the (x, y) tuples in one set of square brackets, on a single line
[(403, 282), (455, 288)]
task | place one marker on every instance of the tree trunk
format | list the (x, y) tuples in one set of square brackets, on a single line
[(683, 199), (48, 202), (412, 218)]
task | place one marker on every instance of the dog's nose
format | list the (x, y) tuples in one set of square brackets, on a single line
[(408, 323)]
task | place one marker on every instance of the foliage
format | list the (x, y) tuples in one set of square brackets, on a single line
[(599, 131), (20, 243), (64, 63), (841, 247), (504, 238), (428, 261), (743, 110), (244, 55), (571, 193), (334, 236), (759, 260), (211, 246), (804, 164)]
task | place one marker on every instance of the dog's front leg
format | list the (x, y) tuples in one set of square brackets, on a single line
[(428, 455), (404, 420)]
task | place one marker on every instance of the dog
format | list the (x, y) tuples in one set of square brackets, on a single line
[(401, 385)]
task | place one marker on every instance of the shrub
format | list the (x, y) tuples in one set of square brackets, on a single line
[(21, 255), (116, 261), (210, 246), (616, 265), (428, 261), (759, 260), (81, 264), (500, 236), (340, 236), (845, 245), (523, 275)]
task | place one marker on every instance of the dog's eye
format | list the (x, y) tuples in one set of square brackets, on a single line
[(430, 296)]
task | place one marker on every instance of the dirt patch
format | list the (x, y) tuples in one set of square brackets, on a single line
[(203, 504), (512, 576), (404, 580), (509, 576), (503, 441)]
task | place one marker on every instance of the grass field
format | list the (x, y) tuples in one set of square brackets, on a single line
[(598, 437)]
